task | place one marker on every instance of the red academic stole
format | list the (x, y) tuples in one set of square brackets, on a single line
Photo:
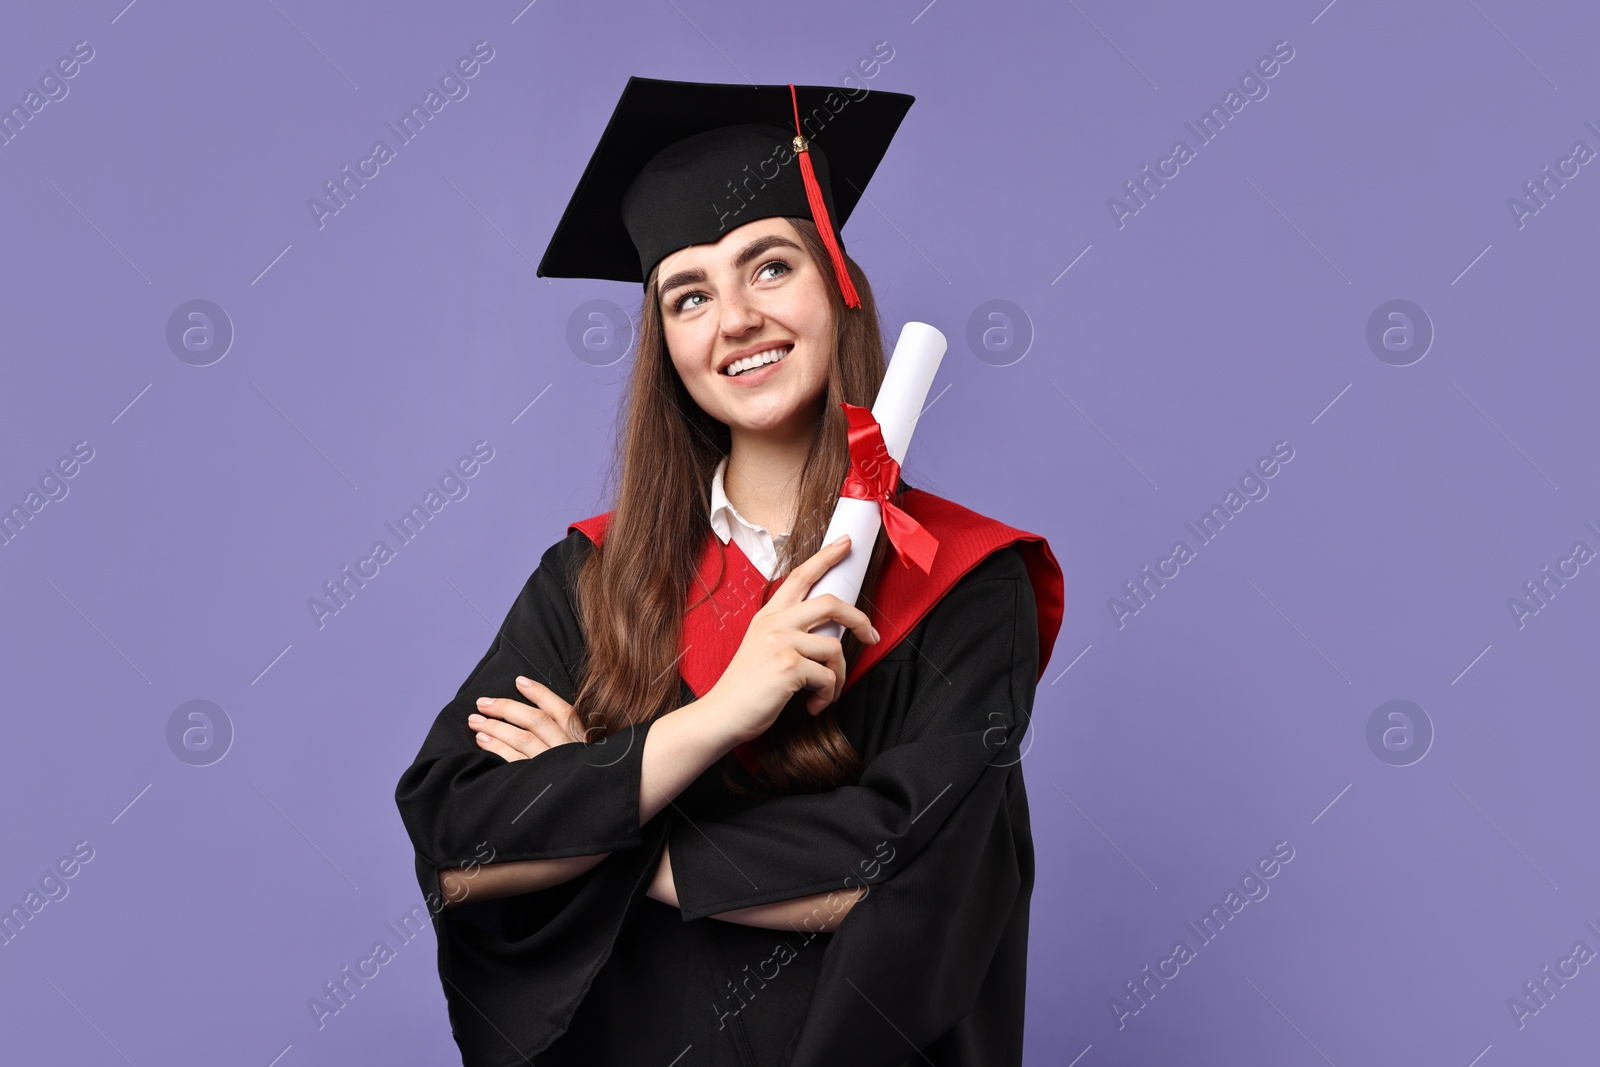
[(714, 628)]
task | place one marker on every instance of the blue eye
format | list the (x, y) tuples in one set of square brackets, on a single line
[(678, 304)]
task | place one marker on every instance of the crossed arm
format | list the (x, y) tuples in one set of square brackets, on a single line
[(972, 684), (678, 748)]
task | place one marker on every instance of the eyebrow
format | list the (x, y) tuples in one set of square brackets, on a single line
[(751, 251)]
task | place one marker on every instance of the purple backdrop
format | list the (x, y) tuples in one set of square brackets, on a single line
[(1376, 257)]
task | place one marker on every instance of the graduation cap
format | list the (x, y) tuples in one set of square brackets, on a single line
[(682, 163)]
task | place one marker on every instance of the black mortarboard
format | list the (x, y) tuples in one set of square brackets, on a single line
[(682, 163)]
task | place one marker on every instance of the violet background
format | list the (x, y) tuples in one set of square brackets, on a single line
[(1229, 314)]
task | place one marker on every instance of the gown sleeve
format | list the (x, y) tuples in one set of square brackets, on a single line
[(951, 703), (571, 800), (930, 966)]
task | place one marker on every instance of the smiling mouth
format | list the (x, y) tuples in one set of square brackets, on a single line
[(756, 362)]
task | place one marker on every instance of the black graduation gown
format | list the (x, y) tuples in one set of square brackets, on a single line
[(928, 967)]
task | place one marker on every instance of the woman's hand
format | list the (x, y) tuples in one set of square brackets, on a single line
[(513, 731), (779, 655)]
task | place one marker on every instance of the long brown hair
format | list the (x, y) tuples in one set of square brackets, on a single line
[(633, 590)]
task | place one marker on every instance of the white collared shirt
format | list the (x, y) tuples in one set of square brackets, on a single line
[(758, 544)]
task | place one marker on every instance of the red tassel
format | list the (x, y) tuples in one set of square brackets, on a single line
[(819, 209)]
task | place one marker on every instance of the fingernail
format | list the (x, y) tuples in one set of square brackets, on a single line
[(521, 680), (474, 717), (841, 539), (875, 637), (484, 702)]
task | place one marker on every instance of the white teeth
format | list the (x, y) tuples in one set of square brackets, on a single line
[(760, 359)]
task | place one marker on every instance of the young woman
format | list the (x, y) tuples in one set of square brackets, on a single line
[(662, 821)]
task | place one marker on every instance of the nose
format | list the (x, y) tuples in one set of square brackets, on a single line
[(739, 315)]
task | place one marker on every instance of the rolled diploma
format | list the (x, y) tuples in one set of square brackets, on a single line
[(905, 389)]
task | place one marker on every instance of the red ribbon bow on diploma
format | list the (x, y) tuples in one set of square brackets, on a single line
[(874, 475)]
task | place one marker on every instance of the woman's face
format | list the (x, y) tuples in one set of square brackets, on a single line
[(755, 292)]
